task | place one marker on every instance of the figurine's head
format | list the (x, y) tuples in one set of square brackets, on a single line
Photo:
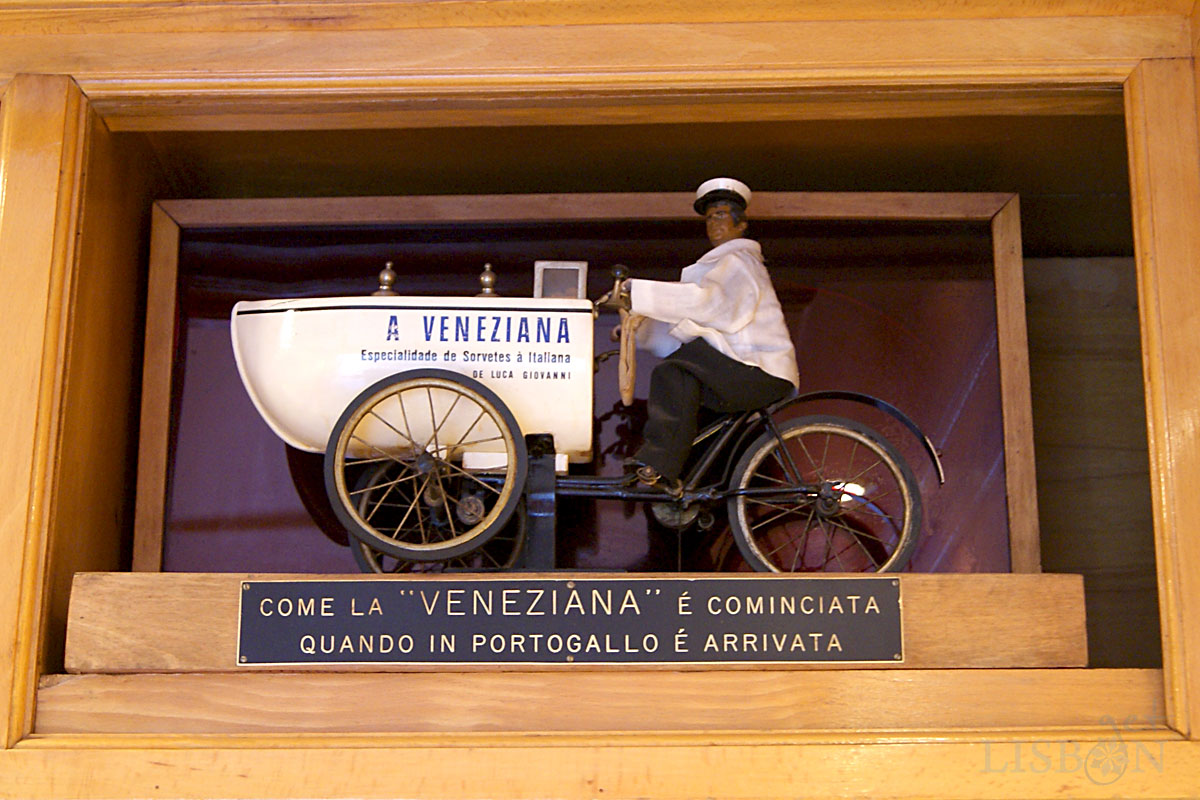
[(723, 203)]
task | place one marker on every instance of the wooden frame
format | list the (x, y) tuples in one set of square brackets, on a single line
[(172, 218), (213, 71)]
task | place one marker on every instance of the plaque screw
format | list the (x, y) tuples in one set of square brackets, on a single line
[(242, 659), (245, 587), (897, 656), (570, 659), (570, 584)]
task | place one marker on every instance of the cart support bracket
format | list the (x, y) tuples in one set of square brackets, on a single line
[(539, 552)]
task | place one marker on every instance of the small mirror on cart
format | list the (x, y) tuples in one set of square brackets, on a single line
[(560, 279)]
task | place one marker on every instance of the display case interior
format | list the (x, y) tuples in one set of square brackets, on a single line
[(879, 307)]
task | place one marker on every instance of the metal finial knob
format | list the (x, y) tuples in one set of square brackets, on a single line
[(487, 280), (387, 278)]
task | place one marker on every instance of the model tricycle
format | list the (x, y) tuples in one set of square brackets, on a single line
[(422, 407)]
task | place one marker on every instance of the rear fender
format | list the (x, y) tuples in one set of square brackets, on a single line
[(875, 402)]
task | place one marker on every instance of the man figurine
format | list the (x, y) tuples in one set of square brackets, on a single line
[(722, 333)]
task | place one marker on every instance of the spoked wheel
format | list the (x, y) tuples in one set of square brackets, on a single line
[(451, 464), (835, 496), (499, 552)]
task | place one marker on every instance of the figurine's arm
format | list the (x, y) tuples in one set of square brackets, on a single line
[(725, 299), (655, 336)]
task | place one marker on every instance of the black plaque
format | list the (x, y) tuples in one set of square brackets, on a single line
[(626, 620)]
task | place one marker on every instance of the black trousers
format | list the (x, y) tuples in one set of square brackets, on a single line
[(696, 375)]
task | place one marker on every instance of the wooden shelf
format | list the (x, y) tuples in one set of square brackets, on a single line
[(170, 622), (766, 702)]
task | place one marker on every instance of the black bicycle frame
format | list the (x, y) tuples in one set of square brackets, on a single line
[(727, 437)]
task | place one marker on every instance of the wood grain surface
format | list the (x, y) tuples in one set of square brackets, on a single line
[(1165, 180), (1020, 479), (42, 134), (223, 66), (763, 701), (158, 355), (410, 209), (171, 622)]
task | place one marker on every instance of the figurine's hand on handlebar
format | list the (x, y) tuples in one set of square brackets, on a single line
[(615, 301), (624, 298), (618, 298)]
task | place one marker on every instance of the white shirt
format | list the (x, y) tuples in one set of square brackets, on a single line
[(725, 298)]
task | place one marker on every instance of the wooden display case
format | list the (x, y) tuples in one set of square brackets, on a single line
[(942, 341), (1035, 621), (74, 221)]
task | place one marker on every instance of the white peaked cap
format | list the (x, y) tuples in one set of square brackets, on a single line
[(721, 189)]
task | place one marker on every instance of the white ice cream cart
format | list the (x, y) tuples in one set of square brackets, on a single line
[(422, 406)]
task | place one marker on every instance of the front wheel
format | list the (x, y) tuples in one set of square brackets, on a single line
[(426, 466), (826, 494), (499, 554)]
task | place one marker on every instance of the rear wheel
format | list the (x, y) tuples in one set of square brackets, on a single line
[(447, 460), (825, 495)]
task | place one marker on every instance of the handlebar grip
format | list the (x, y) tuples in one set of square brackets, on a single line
[(615, 298)]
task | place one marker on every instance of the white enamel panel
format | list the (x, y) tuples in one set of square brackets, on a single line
[(304, 360)]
